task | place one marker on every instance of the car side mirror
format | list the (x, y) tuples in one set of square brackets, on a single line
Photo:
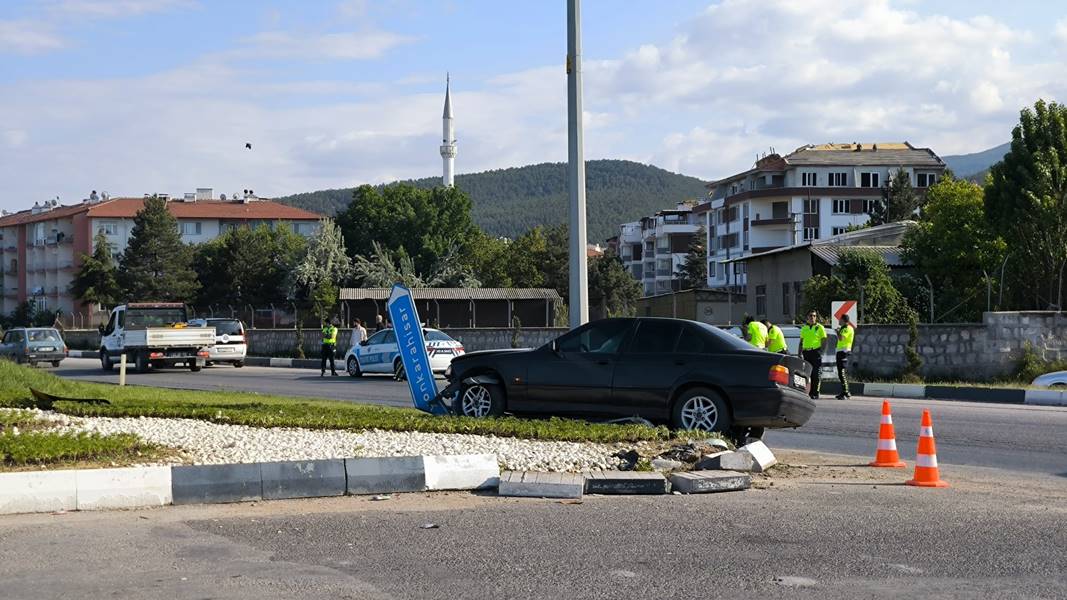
[(100, 328), (363, 342)]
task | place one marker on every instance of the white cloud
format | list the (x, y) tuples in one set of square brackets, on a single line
[(114, 8), (14, 138), (1061, 30), (27, 37), (352, 8), (350, 45)]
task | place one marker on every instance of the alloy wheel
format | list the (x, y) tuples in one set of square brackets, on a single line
[(476, 401), (700, 413)]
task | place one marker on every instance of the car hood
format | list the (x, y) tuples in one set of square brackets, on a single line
[(484, 353)]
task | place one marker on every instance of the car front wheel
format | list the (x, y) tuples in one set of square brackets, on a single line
[(352, 366), (399, 373), (480, 400), (701, 409), (105, 361)]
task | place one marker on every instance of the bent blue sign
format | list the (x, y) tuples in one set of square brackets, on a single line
[(412, 346)]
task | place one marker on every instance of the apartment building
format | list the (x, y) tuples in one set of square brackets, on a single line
[(815, 192), (41, 248), (654, 248)]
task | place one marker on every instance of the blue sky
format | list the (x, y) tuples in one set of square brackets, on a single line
[(141, 96)]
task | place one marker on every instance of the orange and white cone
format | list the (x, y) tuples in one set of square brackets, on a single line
[(886, 455), (926, 473)]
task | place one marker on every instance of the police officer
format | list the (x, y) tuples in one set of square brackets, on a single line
[(329, 348), (845, 335), (812, 338), (775, 338), (755, 332)]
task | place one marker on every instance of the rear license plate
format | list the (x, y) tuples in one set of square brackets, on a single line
[(46, 349), (225, 349), (800, 381)]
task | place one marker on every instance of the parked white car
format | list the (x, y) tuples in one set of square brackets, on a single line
[(230, 345), (381, 354), (1055, 379)]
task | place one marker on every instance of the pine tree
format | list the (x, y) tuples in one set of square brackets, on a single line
[(694, 272), (899, 200), (156, 264), (97, 279)]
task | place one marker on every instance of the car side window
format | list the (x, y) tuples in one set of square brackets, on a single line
[(110, 325), (390, 337), (7, 338), (693, 342), (605, 337), (376, 338), (656, 337), (120, 318)]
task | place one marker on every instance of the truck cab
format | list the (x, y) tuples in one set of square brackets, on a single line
[(154, 334)]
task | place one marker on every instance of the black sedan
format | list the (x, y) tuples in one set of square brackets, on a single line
[(688, 374)]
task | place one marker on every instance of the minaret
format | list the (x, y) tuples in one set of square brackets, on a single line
[(448, 141)]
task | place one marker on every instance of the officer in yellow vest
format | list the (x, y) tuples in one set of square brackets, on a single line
[(845, 335), (329, 348), (775, 338), (755, 333), (812, 339)]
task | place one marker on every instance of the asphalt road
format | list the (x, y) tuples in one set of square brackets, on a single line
[(1024, 438), (823, 537)]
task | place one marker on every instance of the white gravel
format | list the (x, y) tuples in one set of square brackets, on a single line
[(210, 443)]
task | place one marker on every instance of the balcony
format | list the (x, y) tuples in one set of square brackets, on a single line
[(664, 273), (771, 222)]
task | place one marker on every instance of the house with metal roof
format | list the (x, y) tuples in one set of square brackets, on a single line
[(776, 277), (460, 307), (813, 193)]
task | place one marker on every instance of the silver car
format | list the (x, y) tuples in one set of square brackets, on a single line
[(1055, 379)]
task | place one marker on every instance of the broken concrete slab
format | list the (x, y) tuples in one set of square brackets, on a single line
[(534, 484), (626, 482), (729, 461), (666, 464), (705, 482), (762, 455)]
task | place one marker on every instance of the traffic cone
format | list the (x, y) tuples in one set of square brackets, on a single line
[(886, 455), (926, 473)]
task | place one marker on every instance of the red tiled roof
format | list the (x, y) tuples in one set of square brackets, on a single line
[(27, 216), (255, 210), (206, 209)]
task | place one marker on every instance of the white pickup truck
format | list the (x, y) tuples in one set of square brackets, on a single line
[(154, 334)]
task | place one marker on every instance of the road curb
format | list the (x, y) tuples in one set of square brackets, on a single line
[(145, 487), (1045, 398)]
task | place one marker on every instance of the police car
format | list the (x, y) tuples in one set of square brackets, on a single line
[(381, 353)]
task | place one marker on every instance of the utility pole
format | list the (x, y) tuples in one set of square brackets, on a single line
[(579, 273)]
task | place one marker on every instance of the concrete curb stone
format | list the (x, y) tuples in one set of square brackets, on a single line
[(385, 475), (626, 483), (704, 482), (304, 479), (131, 487), (534, 484), (38, 491), (461, 472), (216, 484), (1046, 397)]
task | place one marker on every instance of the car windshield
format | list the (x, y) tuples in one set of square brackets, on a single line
[(153, 317), (43, 335), (226, 326), (432, 335)]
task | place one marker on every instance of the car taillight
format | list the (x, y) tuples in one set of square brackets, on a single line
[(204, 354), (155, 355), (460, 350), (779, 374), (429, 351)]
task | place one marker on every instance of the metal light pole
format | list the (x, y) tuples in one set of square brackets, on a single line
[(579, 274)]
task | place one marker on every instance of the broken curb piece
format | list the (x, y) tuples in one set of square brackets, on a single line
[(706, 482)]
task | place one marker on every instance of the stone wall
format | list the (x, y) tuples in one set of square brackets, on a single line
[(968, 351), (282, 342)]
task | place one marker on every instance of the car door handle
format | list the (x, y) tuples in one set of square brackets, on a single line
[(679, 363), (603, 362)]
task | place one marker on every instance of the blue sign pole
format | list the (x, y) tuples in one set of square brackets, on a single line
[(413, 353)]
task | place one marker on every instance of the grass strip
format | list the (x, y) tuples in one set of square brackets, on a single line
[(53, 449), (258, 410)]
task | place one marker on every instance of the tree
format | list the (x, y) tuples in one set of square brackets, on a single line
[(899, 200), (956, 248), (613, 291), (488, 259), (96, 281), (860, 274), (248, 265), (526, 258), (426, 223), (384, 268), (323, 267), (156, 265), (23, 314), (694, 272), (1026, 202)]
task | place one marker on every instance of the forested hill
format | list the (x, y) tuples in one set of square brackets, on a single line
[(510, 201)]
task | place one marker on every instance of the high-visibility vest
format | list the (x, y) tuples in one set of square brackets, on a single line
[(775, 339), (329, 335), (845, 336), (811, 337), (757, 334)]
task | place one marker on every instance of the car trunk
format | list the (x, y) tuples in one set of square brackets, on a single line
[(797, 366)]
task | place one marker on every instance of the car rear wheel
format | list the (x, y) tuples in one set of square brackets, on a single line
[(399, 373), (239, 364), (352, 366), (480, 400), (701, 409), (194, 367), (141, 363), (105, 361), (55, 363)]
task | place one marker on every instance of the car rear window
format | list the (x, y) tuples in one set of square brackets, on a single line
[(43, 335), (432, 335), (720, 340), (655, 337), (226, 327)]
